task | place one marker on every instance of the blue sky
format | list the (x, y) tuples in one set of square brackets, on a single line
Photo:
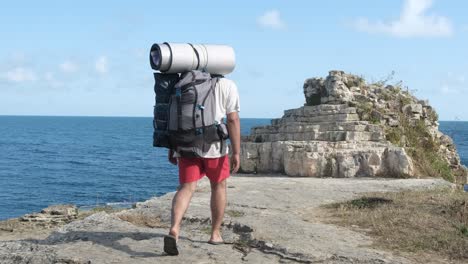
[(91, 57)]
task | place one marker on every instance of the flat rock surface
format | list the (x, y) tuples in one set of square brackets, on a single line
[(268, 220)]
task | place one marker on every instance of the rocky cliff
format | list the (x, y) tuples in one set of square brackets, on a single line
[(349, 128)]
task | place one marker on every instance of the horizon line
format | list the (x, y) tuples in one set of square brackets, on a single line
[(122, 116)]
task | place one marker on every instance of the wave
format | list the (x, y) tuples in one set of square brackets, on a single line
[(118, 204)]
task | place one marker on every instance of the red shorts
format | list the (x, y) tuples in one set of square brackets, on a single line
[(193, 169)]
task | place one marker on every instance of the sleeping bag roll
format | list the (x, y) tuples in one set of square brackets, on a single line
[(182, 57)]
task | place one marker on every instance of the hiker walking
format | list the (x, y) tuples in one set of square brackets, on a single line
[(193, 99), (210, 158)]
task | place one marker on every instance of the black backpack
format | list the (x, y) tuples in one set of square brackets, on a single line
[(184, 115), (163, 88)]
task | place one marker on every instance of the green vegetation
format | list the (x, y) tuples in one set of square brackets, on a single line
[(413, 135), (432, 115), (421, 146), (394, 135), (105, 208), (206, 230), (364, 109), (367, 202), (235, 213), (404, 100), (431, 222), (139, 218)]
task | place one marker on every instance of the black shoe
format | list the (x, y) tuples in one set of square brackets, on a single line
[(170, 245)]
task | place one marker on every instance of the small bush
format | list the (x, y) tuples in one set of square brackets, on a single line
[(404, 100), (394, 135), (364, 110)]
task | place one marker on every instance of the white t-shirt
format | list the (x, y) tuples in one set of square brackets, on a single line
[(227, 101)]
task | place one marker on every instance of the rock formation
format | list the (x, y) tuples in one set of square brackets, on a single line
[(348, 128), (54, 214)]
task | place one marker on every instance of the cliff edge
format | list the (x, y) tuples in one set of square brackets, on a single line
[(268, 220)]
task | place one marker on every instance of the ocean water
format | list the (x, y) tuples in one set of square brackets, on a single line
[(86, 161), (458, 131), (92, 161)]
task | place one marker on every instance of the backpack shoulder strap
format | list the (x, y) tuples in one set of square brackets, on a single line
[(214, 81)]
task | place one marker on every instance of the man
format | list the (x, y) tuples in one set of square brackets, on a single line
[(214, 164)]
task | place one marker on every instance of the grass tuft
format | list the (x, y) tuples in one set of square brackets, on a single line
[(235, 213)]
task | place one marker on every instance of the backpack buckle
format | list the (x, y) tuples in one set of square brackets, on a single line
[(201, 107), (178, 92)]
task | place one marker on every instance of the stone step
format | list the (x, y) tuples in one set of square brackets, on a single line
[(319, 119), (311, 111), (301, 127), (332, 136), (322, 146)]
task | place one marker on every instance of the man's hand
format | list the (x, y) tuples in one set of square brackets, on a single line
[(235, 163), (234, 135), (170, 156)]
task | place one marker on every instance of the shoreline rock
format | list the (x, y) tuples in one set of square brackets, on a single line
[(54, 214)]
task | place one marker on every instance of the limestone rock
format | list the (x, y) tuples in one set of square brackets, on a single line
[(342, 131), (313, 90), (53, 214), (336, 90), (413, 109)]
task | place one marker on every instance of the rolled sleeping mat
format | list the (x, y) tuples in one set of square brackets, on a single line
[(182, 57)]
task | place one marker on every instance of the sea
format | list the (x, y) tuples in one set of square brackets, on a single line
[(98, 161)]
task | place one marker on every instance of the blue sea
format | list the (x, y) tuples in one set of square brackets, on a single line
[(95, 161), (87, 161)]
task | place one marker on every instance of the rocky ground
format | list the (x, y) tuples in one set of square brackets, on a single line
[(268, 220)]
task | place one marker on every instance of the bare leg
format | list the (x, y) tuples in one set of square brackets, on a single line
[(218, 204), (180, 204)]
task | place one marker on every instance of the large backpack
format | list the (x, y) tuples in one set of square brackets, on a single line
[(190, 115)]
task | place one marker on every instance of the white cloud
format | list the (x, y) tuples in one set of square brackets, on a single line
[(101, 65), (68, 67), (49, 77), (454, 84), (414, 21), (271, 19), (446, 89), (20, 74)]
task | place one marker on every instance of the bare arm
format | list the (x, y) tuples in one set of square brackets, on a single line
[(233, 124)]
